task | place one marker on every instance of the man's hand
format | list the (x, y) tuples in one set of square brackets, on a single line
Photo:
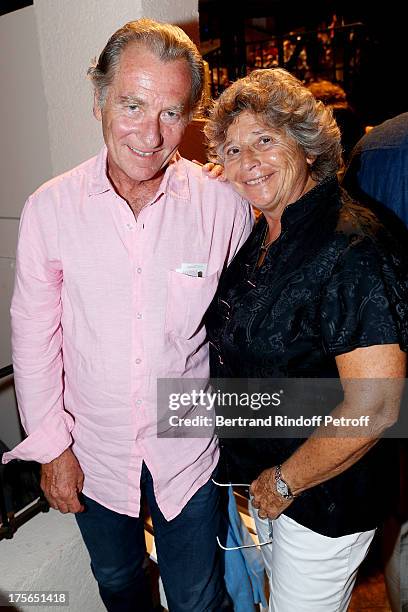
[(215, 171), (61, 480), (265, 496)]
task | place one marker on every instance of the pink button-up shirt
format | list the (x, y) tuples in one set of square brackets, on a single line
[(100, 312)]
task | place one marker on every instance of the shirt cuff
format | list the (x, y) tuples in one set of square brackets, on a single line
[(46, 442)]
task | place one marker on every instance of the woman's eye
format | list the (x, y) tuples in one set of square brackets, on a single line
[(266, 140), (232, 151)]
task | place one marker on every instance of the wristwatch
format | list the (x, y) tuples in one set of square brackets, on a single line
[(282, 487)]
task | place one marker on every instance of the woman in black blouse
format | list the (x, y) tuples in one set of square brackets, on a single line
[(317, 291)]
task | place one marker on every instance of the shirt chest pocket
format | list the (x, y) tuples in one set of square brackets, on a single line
[(188, 298)]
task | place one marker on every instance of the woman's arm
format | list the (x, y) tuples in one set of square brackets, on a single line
[(321, 458)]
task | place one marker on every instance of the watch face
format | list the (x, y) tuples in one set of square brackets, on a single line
[(282, 487)]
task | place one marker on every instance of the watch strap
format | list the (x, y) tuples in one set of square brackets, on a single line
[(278, 476)]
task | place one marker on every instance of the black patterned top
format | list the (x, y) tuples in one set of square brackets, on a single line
[(332, 282)]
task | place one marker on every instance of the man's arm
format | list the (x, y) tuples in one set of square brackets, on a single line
[(37, 357), (37, 336)]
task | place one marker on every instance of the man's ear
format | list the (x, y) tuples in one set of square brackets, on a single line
[(96, 108)]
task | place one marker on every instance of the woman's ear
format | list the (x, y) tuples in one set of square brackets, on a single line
[(311, 160)]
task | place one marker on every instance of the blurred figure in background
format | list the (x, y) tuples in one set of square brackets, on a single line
[(378, 175), (333, 95), (378, 167)]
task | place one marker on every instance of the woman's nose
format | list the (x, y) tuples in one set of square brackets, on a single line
[(249, 158)]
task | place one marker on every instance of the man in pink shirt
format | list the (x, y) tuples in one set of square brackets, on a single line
[(117, 262)]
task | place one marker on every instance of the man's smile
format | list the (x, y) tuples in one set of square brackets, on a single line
[(142, 153)]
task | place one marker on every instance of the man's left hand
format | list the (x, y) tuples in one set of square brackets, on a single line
[(265, 497), (214, 171)]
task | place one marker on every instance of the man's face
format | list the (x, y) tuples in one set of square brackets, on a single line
[(144, 115)]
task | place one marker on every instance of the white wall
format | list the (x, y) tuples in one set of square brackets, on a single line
[(25, 163), (46, 117), (183, 13)]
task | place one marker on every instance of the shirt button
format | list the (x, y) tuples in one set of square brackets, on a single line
[(138, 361), (139, 315), (139, 270), (138, 402), (129, 226)]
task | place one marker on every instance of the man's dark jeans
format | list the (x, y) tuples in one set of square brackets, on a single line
[(187, 551)]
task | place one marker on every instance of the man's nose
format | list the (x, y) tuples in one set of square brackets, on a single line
[(150, 133)]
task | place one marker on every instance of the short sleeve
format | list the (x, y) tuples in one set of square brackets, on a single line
[(365, 301)]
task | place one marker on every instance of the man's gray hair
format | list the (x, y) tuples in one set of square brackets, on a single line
[(166, 41)]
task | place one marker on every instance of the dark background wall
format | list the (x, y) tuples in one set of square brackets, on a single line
[(380, 90)]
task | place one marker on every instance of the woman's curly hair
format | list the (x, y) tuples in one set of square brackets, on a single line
[(282, 102)]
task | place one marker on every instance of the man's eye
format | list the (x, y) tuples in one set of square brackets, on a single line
[(170, 115), (133, 107)]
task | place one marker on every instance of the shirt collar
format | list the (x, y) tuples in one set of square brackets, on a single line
[(310, 202), (98, 181), (321, 195), (174, 182)]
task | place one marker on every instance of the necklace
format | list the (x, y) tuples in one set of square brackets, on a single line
[(265, 245), (263, 249)]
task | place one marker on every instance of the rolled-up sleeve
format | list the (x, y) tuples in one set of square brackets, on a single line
[(365, 302), (37, 336)]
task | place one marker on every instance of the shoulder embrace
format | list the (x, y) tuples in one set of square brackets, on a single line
[(221, 193)]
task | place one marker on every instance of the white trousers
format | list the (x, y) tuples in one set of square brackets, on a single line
[(309, 572)]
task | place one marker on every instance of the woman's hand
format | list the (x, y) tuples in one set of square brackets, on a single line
[(212, 170), (265, 496)]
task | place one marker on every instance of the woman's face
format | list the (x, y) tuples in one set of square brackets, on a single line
[(266, 167)]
